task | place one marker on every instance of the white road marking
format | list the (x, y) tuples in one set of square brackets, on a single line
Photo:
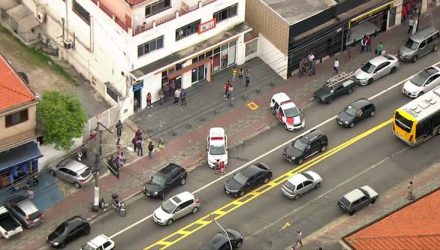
[(320, 196), (261, 156)]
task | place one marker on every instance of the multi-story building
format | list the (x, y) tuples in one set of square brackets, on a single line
[(19, 152), (128, 48)]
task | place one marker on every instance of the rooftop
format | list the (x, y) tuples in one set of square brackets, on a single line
[(293, 11), (415, 226), (13, 90)]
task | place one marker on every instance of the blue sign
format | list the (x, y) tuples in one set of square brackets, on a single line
[(138, 86)]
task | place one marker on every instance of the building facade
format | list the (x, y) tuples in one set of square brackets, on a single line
[(128, 48), (19, 151)]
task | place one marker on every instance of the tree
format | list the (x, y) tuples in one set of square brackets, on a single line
[(62, 117)]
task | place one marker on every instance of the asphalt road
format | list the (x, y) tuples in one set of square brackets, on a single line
[(261, 219)]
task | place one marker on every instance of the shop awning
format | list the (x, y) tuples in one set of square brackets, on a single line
[(19, 155)]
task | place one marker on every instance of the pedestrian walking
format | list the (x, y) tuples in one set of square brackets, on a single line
[(363, 43), (177, 95), (411, 23), (226, 87), (336, 65), (298, 239), (172, 87), (410, 191), (311, 58), (139, 147), (368, 43), (150, 149), (234, 73), (119, 128), (229, 94), (240, 73), (134, 141), (349, 56), (183, 97), (138, 134), (379, 48), (246, 77), (166, 92), (149, 100), (122, 159)]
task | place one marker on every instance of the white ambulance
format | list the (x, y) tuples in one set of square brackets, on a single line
[(217, 146)]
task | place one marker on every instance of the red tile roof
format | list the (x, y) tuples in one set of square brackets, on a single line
[(13, 90), (416, 226)]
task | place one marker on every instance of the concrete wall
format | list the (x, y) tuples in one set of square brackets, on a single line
[(272, 56)]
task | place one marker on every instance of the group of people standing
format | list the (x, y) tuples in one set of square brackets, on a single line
[(139, 146), (366, 45), (171, 90), (237, 73)]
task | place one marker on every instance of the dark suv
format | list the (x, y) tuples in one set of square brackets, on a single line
[(165, 180), (305, 146)]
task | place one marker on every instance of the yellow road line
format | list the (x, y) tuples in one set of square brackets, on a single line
[(239, 202)]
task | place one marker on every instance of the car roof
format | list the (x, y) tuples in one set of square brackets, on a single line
[(99, 240), (169, 168), (432, 70), (422, 34), (297, 179), (361, 103), (27, 206), (354, 195), (281, 97), (182, 197), (313, 134), (75, 220), (75, 166), (378, 60), (251, 170)]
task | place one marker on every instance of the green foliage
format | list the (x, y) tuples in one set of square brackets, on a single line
[(63, 118)]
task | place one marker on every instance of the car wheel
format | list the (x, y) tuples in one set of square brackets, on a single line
[(318, 185), (435, 48), (296, 197), (420, 94), (300, 161), (266, 180), (329, 100), (350, 90), (241, 193), (323, 148), (370, 81), (77, 185), (393, 70), (52, 173), (183, 181), (169, 222), (372, 113), (195, 210), (238, 245), (414, 59), (373, 201), (351, 212), (352, 125)]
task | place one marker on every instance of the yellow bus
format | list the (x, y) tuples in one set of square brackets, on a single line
[(418, 120)]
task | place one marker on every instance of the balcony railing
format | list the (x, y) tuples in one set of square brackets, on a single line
[(111, 15)]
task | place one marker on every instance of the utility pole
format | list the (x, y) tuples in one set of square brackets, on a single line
[(98, 154), (218, 224)]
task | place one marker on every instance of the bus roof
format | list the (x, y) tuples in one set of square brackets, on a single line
[(424, 106)]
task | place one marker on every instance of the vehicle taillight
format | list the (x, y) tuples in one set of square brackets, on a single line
[(82, 180)]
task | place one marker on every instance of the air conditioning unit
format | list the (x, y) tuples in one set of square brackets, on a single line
[(68, 43), (41, 17)]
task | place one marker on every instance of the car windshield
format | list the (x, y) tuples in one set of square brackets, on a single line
[(88, 247), (240, 178), (410, 44), (292, 112), (168, 206), (300, 144), (60, 230), (308, 176), (289, 185), (345, 202), (368, 67), (420, 78), (159, 180), (217, 150), (350, 110)]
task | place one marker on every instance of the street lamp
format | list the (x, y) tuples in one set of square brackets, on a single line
[(218, 224)]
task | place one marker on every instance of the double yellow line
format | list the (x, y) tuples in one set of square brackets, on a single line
[(235, 204)]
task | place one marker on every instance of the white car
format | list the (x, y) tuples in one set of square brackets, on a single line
[(376, 68), (175, 208), (300, 184), (422, 82), (100, 242), (287, 112), (217, 146)]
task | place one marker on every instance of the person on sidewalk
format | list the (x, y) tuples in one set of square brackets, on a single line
[(368, 43), (139, 147), (349, 56), (311, 58), (150, 149), (411, 23), (298, 239), (134, 141), (166, 92), (183, 97), (122, 159), (230, 90), (246, 77), (240, 73), (410, 196), (379, 48), (234, 73), (138, 134), (177, 95), (363, 43), (227, 85), (336, 66), (149, 100), (119, 127)]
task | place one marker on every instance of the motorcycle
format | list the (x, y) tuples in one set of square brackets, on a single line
[(119, 206)]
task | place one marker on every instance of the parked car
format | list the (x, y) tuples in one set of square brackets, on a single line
[(333, 89), (247, 179), (72, 171), (356, 112), (9, 226), (175, 208), (300, 184), (220, 241), (357, 199), (376, 68), (287, 112), (305, 146), (217, 146), (166, 179), (100, 242), (422, 82), (69, 230), (420, 44), (24, 210)]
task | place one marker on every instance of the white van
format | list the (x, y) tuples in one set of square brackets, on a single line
[(217, 146)]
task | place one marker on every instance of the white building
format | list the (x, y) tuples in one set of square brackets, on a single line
[(127, 48)]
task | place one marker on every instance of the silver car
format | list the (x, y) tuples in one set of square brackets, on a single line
[(376, 68), (72, 171), (24, 210), (422, 82), (300, 184), (175, 208)]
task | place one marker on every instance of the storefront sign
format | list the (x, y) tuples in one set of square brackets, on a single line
[(138, 85), (207, 25)]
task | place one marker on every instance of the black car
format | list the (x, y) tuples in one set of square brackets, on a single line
[(166, 179), (247, 179), (305, 146), (333, 89), (355, 112), (220, 240), (69, 230)]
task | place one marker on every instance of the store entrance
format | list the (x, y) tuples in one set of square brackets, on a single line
[(137, 99), (368, 26)]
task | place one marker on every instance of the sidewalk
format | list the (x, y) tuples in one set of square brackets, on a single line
[(184, 128)]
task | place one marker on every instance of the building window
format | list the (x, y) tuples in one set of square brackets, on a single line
[(187, 30), (16, 118), (226, 13), (157, 7), (150, 46), (81, 12)]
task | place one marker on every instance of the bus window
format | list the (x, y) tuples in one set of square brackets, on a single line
[(424, 128), (403, 123)]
